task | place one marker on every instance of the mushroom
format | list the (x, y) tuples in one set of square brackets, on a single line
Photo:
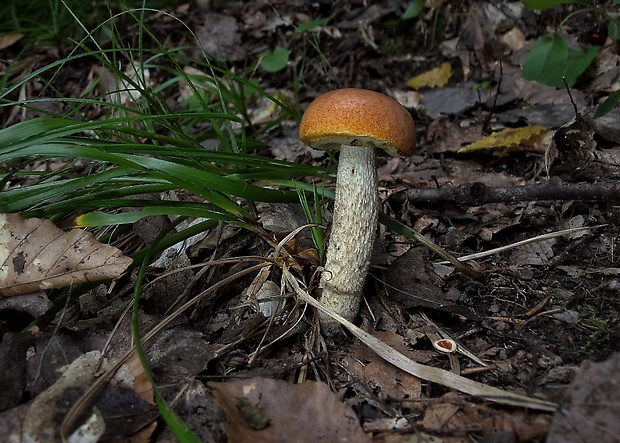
[(354, 121)]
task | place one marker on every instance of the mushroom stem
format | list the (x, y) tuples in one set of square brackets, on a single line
[(352, 236)]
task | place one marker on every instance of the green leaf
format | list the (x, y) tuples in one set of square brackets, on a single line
[(484, 86), (98, 218), (609, 103), (550, 60), (546, 4), (613, 29), (275, 61), (413, 10)]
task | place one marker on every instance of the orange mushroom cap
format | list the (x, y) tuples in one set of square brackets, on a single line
[(358, 117)]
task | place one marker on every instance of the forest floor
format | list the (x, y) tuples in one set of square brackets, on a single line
[(539, 318)]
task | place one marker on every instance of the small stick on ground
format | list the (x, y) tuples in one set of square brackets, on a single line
[(476, 194)]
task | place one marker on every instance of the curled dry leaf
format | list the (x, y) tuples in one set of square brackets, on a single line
[(35, 255), (572, 149)]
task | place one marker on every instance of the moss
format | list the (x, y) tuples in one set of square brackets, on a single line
[(601, 331)]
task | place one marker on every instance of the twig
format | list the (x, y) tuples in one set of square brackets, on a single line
[(518, 244), (476, 194)]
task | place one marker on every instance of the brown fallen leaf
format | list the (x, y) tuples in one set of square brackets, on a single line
[(572, 150), (442, 416), (266, 410), (7, 40), (368, 367), (13, 367), (591, 410), (36, 255)]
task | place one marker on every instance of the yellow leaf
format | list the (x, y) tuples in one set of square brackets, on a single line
[(437, 77), (528, 138)]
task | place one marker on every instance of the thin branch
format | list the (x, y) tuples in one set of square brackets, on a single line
[(476, 194)]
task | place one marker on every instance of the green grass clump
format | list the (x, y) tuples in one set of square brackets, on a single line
[(52, 22), (140, 144), (155, 122)]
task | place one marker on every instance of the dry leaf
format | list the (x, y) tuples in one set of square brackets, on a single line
[(435, 78), (118, 411), (266, 410), (591, 410), (514, 39), (13, 368), (572, 149), (126, 89), (33, 304), (7, 40), (535, 254), (390, 381), (527, 138), (442, 415), (36, 255)]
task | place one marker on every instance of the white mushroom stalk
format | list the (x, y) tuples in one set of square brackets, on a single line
[(356, 209), (356, 122)]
